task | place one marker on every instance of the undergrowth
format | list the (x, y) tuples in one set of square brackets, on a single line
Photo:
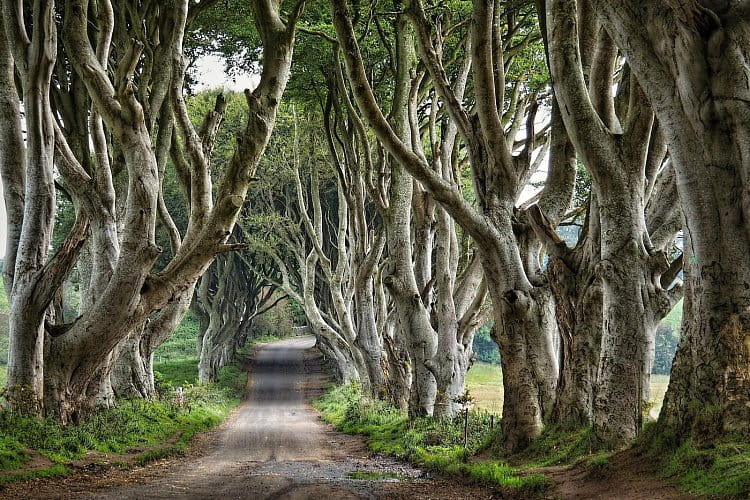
[(720, 469), (432, 443), (145, 430), (558, 446)]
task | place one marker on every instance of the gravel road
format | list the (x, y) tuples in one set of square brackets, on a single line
[(273, 447)]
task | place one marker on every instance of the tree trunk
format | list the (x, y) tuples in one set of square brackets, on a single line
[(35, 61), (524, 330), (397, 369), (414, 322), (133, 373), (579, 312), (697, 87), (368, 338), (618, 410)]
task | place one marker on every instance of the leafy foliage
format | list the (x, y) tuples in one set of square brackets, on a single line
[(485, 348)]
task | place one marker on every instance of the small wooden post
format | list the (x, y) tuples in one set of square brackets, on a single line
[(466, 432)]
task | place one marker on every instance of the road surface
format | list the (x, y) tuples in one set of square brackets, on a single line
[(273, 447)]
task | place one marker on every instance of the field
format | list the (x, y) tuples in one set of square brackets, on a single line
[(485, 384)]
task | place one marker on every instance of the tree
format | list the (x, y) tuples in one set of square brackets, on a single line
[(27, 169), (230, 296), (525, 326), (697, 88), (619, 280), (125, 293)]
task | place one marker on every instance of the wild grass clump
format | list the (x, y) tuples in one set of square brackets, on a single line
[(54, 471), (149, 430), (720, 471), (437, 444), (716, 469), (557, 445)]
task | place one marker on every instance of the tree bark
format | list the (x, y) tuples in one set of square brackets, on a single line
[(697, 89), (35, 58)]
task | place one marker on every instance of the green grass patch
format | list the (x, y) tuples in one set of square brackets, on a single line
[(56, 470), (177, 372), (674, 318), (722, 471), (159, 428), (4, 330), (557, 446), (182, 344), (719, 471), (432, 443), (484, 381), (132, 424), (4, 305)]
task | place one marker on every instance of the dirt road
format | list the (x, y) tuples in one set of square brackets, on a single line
[(273, 447)]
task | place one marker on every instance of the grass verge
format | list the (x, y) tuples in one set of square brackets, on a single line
[(435, 444), (141, 430), (721, 470)]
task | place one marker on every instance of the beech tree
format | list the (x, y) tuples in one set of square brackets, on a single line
[(79, 356), (624, 271), (525, 325), (697, 88), (231, 294)]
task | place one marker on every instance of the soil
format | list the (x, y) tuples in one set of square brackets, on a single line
[(627, 476), (274, 446)]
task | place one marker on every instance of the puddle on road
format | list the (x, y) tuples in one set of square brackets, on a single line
[(377, 476)]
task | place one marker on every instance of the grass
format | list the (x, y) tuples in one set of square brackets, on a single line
[(158, 428), (435, 444), (721, 470), (674, 318), (658, 387), (484, 381), (182, 344), (134, 424), (557, 446), (4, 306), (4, 311), (57, 470), (177, 372)]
